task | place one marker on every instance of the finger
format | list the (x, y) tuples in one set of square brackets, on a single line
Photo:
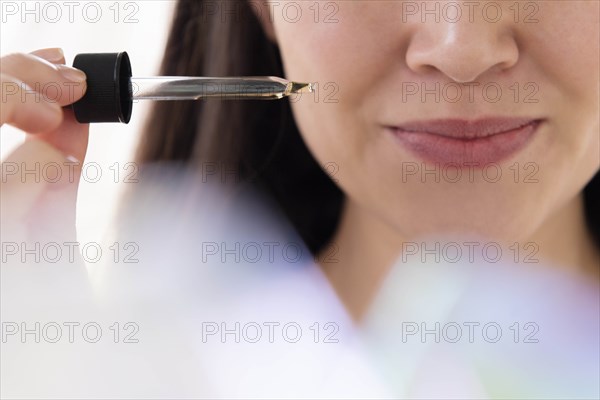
[(24, 110), (56, 83), (71, 138), (54, 55)]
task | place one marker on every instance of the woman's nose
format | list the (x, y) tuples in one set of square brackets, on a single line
[(462, 50)]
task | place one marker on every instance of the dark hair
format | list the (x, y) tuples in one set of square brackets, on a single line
[(258, 138)]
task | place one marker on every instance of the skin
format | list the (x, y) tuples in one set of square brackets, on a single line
[(371, 51)]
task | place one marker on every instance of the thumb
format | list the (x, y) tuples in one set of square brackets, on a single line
[(70, 137), (54, 213), (40, 180)]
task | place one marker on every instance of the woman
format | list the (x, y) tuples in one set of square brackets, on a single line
[(432, 123)]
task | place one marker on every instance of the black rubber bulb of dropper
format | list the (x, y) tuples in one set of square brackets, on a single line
[(108, 97)]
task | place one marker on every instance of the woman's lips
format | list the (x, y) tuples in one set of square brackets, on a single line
[(458, 142)]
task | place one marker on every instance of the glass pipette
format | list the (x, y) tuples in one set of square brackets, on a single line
[(194, 88), (111, 88)]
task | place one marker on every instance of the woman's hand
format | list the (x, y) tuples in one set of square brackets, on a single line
[(40, 178)]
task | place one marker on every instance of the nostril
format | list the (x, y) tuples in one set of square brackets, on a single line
[(461, 59)]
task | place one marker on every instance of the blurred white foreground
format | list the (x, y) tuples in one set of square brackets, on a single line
[(196, 296)]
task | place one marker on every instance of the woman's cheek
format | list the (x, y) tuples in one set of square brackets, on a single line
[(307, 61), (572, 68), (345, 63)]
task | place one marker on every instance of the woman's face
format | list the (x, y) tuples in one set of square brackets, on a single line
[(444, 117)]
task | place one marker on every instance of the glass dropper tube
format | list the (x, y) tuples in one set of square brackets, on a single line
[(111, 88), (233, 88)]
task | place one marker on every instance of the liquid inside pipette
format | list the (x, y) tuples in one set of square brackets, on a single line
[(235, 88)]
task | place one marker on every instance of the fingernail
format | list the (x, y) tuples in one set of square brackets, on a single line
[(53, 54), (73, 159), (72, 74), (69, 175)]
